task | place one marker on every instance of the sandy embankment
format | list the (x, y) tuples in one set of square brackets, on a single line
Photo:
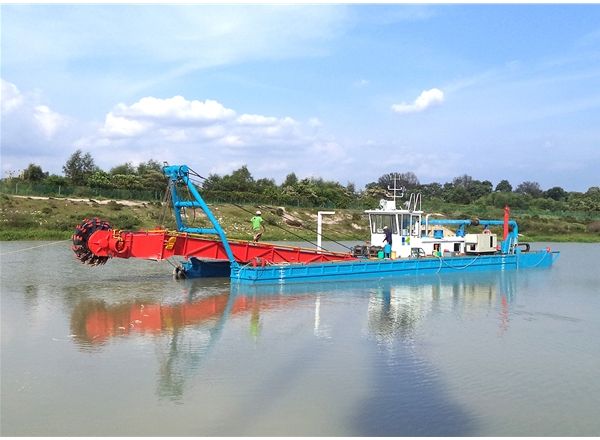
[(100, 202)]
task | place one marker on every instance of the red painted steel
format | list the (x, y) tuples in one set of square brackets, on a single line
[(161, 244), (506, 219), (103, 322)]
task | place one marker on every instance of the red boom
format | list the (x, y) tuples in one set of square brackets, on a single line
[(161, 244)]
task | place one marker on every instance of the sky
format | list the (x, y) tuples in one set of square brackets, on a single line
[(345, 92)]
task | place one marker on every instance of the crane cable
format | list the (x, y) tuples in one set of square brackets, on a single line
[(289, 232), (316, 232), (194, 173)]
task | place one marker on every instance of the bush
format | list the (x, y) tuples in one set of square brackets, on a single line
[(125, 222), (19, 220), (524, 225), (5, 201), (83, 191), (114, 206), (594, 227)]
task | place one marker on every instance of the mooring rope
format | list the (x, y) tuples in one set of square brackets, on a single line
[(33, 247), (459, 268), (536, 264)]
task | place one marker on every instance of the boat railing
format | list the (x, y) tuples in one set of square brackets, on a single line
[(414, 204)]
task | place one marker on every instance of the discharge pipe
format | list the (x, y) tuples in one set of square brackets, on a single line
[(508, 237)]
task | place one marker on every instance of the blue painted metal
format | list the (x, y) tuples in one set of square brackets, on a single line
[(508, 246), (510, 257), (382, 269), (195, 268), (180, 173), (506, 281)]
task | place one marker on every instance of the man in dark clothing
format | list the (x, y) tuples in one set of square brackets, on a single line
[(388, 235), (388, 239)]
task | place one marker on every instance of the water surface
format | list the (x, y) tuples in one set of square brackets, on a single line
[(123, 350)]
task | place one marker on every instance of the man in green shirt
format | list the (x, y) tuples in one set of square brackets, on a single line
[(257, 226)]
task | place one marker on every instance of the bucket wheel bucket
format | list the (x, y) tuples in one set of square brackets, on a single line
[(81, 238)]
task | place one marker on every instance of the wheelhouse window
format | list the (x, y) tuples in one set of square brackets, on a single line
[(378, 221), (415, 221)]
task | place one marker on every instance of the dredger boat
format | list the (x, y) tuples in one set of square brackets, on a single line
[(420, 245)]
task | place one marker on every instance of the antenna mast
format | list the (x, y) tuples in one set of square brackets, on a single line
[(395, 189)]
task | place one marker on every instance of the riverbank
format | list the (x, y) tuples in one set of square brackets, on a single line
[(39, 218)]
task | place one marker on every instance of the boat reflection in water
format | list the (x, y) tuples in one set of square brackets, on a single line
[(396, 310), (185, 331)]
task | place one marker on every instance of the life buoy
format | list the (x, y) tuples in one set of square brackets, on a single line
[(487, 231)]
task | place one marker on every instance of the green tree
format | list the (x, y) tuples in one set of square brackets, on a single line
[(56, 180), (556, 193), (504, 186), (351, 188), (127, 181), (33, 173), (240, 180), (431, 190), (531, 188), (502, 199), (465, 181), (408, 180), (460, 196), (307, 189), (125, 169), (479, 189), (266, 185), (151, 165), (79, 167), (153, 180), (448, 192), (593, 193), (290, 180), (213, 183), (100, 179)]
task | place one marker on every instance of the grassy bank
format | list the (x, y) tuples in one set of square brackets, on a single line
[(30, 218)]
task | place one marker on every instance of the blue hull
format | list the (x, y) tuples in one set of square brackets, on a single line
[(378, 269), (195, 268)]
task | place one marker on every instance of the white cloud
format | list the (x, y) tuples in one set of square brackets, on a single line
[(226, 168), (231, 140), (10, 96), (361, 83), (48, 121), (27, 123), (192, 121), (427, 99), (176, 108), (256, 120), (172, 118), (327, 151), (120, 126), (184, 131)]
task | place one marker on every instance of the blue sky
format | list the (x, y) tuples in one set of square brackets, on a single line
[(346, 92)]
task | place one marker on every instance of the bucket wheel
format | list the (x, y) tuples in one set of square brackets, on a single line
[(81, 237)]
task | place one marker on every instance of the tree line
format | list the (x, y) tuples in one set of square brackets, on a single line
[(81, 170)]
